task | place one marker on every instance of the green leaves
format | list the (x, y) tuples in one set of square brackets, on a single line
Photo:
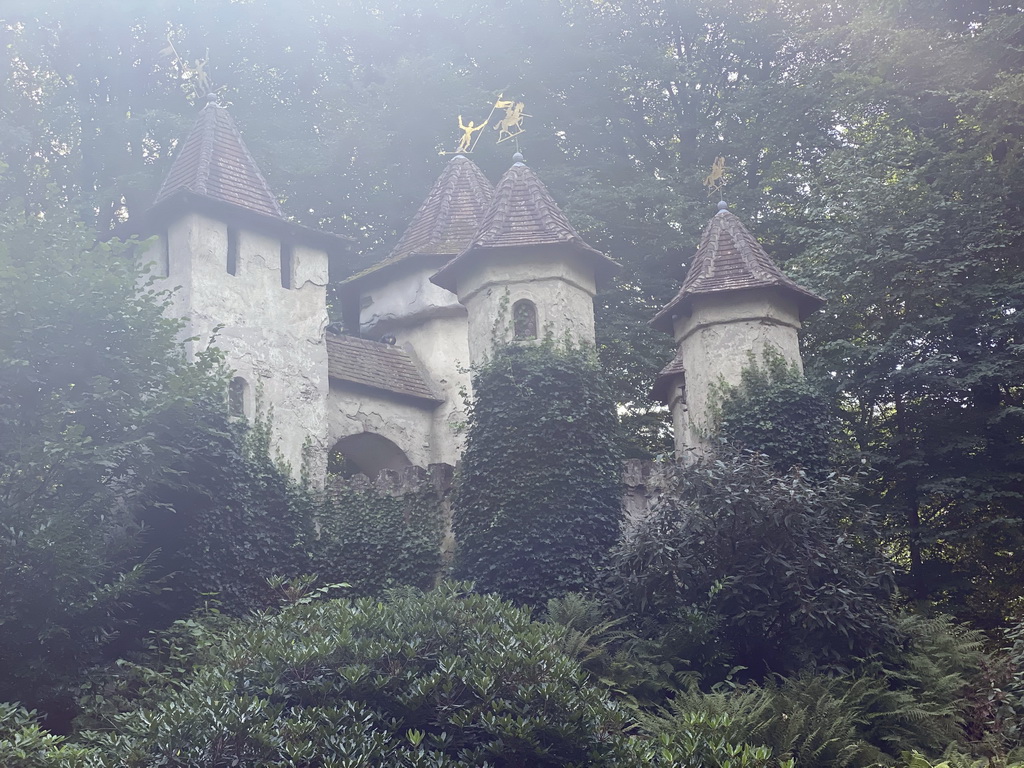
[(536, 507)]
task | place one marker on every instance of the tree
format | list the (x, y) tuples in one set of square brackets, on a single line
[(92, 383), (536, 505)]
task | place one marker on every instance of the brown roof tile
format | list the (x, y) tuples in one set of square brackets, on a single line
[(522, 213), (446, 222), (377, 366), (665, 376), (729, 258), (213, 162)]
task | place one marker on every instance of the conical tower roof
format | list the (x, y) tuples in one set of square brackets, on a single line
[(446, 222), (213, 163), (729, 258), (522, 214)]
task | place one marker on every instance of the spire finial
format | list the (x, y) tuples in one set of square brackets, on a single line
[(723, 206), (517, 159), (212, 99)]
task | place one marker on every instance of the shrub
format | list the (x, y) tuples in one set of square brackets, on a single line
[(537, 503), (788, 566), (445, 678)]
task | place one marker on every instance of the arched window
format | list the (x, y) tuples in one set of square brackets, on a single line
[(524, 320), (238, 394)]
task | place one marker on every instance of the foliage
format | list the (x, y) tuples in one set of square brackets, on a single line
[(775, 411), (445, 678), (93, 389), (910, 697), (374, 541), (536, 507), (787, 565), (227, 519), (24, 744)]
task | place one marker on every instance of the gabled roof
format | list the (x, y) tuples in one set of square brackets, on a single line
[(379, 366), (522, 213), (214, 163), (446, 222), (729, 258)]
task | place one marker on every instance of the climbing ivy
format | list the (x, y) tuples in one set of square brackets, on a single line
[(775, 411), (536, 506), (373, 541)]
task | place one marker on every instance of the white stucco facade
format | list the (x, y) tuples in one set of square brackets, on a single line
[(560, 283), (271, 335), (716, 341)]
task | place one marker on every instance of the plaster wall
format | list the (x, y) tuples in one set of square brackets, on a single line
[(272, 336), (352, 411), (561, 285), (441, 345), (406, 298), (716, 342)]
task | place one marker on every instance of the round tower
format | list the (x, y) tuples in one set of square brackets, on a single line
[(734, 305), (527, 274)]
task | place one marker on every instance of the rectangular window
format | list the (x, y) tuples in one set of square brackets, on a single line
[(232, 251), (163, 256), (287, 264)]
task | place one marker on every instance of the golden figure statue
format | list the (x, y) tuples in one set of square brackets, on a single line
[(467, 134), (512, 123), (714, 180)]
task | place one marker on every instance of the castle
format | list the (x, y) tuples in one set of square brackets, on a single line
[(478, 265)]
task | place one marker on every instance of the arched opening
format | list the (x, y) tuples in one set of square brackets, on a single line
[(238, 397), (524, 320), (365, 453)]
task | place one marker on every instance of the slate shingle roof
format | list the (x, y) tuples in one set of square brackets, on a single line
[(729, 258), (522, 213), (446, 222), (213, 162), (377, 366)]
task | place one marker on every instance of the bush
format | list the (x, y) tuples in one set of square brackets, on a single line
[(910, 698), (537, 504), (787, 568), (445, 678)]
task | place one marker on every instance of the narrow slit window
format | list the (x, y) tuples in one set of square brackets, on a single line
[(524, 320), (163, 256), (238, 391), (232, 263), (287, 263)]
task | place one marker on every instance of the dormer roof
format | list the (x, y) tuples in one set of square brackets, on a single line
[(214, 163), (728, 259), (445, 223), (522, 214)]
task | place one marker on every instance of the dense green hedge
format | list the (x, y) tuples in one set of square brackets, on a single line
[(537, 504)]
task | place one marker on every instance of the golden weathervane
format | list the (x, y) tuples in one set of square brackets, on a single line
[(715, 180), (508, 127)]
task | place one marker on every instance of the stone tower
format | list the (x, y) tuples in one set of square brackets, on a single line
[(395, 300), (733, 303), (248, 281), (526, 273)]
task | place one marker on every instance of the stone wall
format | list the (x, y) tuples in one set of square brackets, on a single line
[(643, 482)]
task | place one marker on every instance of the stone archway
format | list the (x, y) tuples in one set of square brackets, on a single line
[(367, 453)]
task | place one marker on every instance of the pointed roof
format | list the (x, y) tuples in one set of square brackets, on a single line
[(213, 163), (446, 222), (729, 258), (522, 213)]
